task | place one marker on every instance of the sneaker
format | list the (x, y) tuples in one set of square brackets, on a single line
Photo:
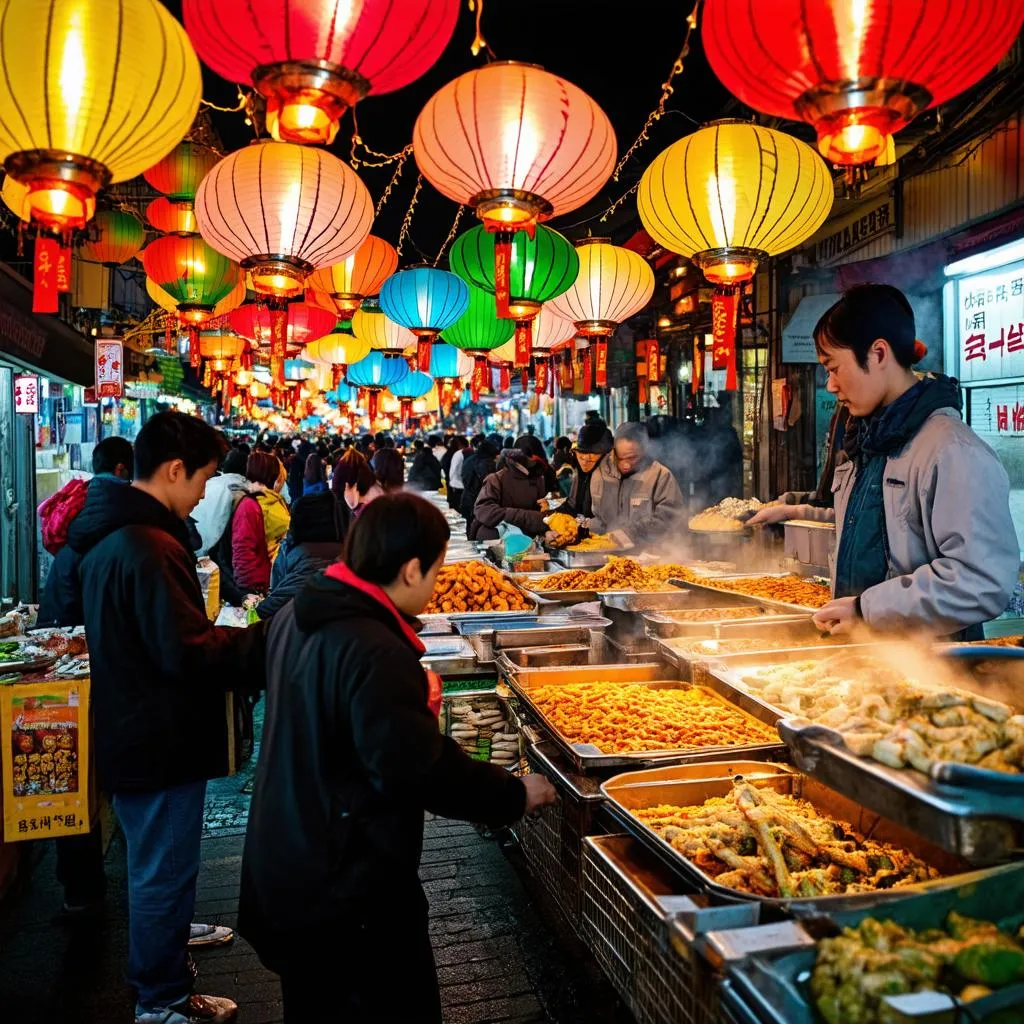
[(203, 936), (194, 1010)]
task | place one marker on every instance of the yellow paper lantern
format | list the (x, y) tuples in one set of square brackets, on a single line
[(369, 324), (733, 194), (337, 347), (94, 91)]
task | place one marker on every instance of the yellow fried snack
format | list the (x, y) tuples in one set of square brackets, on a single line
[(624, 717), (474, 587), (565, 528), (595, 542), (791, 589), (616, 574)]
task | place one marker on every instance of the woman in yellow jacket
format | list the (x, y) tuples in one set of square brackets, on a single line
[(266, 477)]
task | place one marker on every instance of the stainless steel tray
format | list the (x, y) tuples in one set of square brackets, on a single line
[(584, 559), (670, 624), (691, 785), (983, 823), (525, 580), (549, 631), (767, 602), (695, 665), (588, 758)]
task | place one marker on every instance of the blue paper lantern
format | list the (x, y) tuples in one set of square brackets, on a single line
[(377, 370), (298, 369), (414, 385), (426, 301), (446, 361), (343, 394)]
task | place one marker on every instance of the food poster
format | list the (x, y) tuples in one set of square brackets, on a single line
[(44, 731)]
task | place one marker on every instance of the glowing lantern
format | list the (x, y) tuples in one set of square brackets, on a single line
[(180, 173), (15, 197), (165, 300), (551, 330), (170, 217), (540, 268), (379, 331), (306, 323), (426, 301), (414, 385), (76, 114), (373, 375), (282, 211), (313, 59), (478, 331), (733, 194), (117, 237), (347, 283), (858, 70), (337, 349), (449, 366)]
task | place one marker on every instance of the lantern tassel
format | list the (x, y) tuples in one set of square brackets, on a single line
[(503, 272), (423, 350), (371, 405), (278, 342), (245, 360), (601, 364), (524, 342)]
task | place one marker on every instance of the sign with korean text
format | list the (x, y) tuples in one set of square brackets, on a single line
[(109, 368), (26, 393), (44, 728), (998, 412), (990, 324)]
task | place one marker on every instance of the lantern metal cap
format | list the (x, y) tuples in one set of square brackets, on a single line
[(596, 328), (712, 260), (510, 209), (592, 241)]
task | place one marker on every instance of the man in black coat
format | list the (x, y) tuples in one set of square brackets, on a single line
[(476, 467), (425, 472), (351, 758), (160, 671)]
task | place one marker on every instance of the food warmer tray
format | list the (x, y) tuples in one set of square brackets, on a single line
[(586, 757), (695, 664), (583, 559), (670, 624), (767, 602), (771, 986), (524, 581), (689, 785), (549, 631)]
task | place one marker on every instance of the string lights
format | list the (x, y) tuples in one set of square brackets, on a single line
[(451, 235), (407, 220)]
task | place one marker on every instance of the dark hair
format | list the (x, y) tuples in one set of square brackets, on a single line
[(418, 445), (477, 440), (389, 469), (562, 444), (457, 443), (510, 441), (243, 448), (112, 452), (393, 530), (173, 435), (532, 446), (864, 314), (594, 437), (314, 471), (352, 469), (234, 462), (263, 468), (317, 518)]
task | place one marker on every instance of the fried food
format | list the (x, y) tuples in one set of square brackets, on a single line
[(474, 587), (624, 717), (714, 614), (759, 841), (729, 515), (898, 720), (595, 542), (857, 969), (565, 528), (616, 574), (790, 589), (711, 648)]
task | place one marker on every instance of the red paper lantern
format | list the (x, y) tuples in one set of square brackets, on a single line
[(178, 175), (858, 70), (312, 59), (306, 323), (171, 217)]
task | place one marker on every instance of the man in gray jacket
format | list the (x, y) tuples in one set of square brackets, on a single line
[(631, 494)]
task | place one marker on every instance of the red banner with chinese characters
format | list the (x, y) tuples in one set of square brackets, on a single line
[(541, 375), (278, 343), (109, 368), (724, 308), (601, 364), (64, 268), (653, 361), (481, 371), (524, 342), (505, 378), (586, 369), (195, 355), (502, 272), (44, 279)]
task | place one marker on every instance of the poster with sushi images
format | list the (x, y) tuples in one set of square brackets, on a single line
[(44, 732)]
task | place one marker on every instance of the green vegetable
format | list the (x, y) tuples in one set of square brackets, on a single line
[(991, 963)]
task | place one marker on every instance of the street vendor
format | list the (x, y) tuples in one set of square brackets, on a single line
[(924, 536), (592, 445), (631, 495)]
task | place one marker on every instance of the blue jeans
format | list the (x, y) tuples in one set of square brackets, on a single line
[(163, 829)]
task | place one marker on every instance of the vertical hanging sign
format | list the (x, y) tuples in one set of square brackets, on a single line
[(653, 361), (278, 343), (26, 393), (601, 363), (109, 368), (698, 364), (44, 280), (724, 307), (541, 374), (63, 272), (502, 273)]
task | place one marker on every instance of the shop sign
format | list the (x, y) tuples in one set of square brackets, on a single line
[(798, 334), (835, 242), (26, 393), (724, 308), (109, 368), (998, 412), (990, 324)]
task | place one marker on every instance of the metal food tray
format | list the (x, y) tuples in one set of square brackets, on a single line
[(36, 664), (767, 602), (584, 559), (560, 596), (695, 665), (666, 624), (588, 758), (691, 785), (771, 986)]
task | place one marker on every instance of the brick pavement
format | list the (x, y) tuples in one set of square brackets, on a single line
[(498, 958)]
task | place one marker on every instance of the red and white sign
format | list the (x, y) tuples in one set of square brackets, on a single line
[(998, 412), (990, 324), (26, 393), (109, 368)]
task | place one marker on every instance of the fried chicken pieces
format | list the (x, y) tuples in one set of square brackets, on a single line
[(474, 587), (762, 842)]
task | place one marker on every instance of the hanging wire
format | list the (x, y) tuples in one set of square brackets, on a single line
[(666, 92), (391, 184), (404, 233), (618, 202), (451, 234), (242, 104), (381, 159)]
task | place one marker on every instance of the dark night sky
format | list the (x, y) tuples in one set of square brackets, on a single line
[(618, 51)]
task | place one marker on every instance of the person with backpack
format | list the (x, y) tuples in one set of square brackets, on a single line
[(213, 513)]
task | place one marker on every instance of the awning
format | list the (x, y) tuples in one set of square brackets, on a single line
[(797, 335)]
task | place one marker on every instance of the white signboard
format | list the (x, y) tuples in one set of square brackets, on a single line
[(798, 335), (999, 411), (990, 324), (26, 393)]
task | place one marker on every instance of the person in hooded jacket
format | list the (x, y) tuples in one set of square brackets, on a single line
[(478, 464), (351, 758), (319, 525), (512, 494), (297, 470), (593, 444), (214, 511), (160, 670), (425, 471), (924, 534), (266, 477)]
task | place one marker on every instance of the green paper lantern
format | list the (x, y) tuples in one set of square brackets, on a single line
[(479, 329)]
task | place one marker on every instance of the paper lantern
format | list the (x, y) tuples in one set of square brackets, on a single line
[(375, 373), (166, 301), (732, 194), (343, 394), (179, 174), (479, 330), (306, 323), (282, 211), (857, 71), (539, 268), (93, 91), (503, 355), (426, 301), (413, 385), (550, 330), (347, 283), (449, 363), (379, 331), (221, 346), (195, 275), (312, 59), (171, 218), (116, 237), (337, 350)]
